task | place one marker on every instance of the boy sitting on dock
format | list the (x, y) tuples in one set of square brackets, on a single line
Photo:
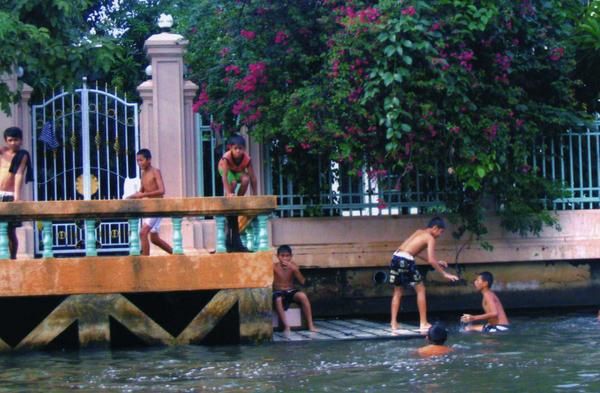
[(403, 271), (285, 270), (152, 187), (235, 168), (436, 336), (495, 317), (15, 170)]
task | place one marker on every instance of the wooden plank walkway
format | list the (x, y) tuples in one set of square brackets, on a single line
[(350, 329)]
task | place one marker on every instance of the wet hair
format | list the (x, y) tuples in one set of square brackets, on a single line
[(437, 333), (487, 277), (13, 132), (436, 222), (236, 139), (144, 153), (284, 248)]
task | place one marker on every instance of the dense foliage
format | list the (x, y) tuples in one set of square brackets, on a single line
[(390, 86), (58, 42)]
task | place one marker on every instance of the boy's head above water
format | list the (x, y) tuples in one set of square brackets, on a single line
[(437, 334)]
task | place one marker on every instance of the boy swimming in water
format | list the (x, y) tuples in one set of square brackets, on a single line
[(284, 271), (403, 271), (495, 317), (436, 336)]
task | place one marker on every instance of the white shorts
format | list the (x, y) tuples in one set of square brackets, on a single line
[(153, 223)]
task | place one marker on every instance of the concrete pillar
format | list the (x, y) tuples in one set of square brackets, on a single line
[(166, 118)]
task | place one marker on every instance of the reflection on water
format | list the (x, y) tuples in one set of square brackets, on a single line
[(541, 354)]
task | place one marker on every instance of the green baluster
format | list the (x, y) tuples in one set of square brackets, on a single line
[(249, 237), (254, 225), (134, 236), (47, 239), (177, 238), (4, 251), (90, 238), (263, 234), (220, 234)]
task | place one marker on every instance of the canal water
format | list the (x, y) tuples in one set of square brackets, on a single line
[(557, 353)]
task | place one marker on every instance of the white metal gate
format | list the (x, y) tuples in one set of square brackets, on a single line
[(84, 147)]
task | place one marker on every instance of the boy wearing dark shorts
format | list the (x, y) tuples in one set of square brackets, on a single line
[(404, 273), (494, 315), (284, 273)]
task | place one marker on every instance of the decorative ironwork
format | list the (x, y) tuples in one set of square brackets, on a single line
[(92, 145)]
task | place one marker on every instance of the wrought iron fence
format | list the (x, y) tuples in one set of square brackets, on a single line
[(572, 158)]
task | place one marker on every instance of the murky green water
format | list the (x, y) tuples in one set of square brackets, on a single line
[(542, 354)]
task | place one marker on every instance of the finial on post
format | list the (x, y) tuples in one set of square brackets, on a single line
[(165, 22)]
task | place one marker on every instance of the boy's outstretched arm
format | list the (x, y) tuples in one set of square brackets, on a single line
[(434, 262)]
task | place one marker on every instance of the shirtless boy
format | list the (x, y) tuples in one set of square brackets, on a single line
[(436, 336), (495, 317), (403, 271), (14, 171), (285, 270), (152, 187)]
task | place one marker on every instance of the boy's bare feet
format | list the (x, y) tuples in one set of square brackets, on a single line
[(425, 326), (287, 331), (312, 328), (394, 325)]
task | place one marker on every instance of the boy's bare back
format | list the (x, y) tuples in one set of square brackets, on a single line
[(417, 242)]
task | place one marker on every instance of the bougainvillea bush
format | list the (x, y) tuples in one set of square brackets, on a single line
[(388, 87)]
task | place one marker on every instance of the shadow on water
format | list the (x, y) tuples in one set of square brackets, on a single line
[(545, 352)]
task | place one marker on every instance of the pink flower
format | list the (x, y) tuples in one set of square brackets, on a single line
[(201, 101), (455, 129), (281, 38), (519, 122), (224, 52), (256, 76), (289, 149), (557, 53), (410, 11), (247, 34), (491, 132), (503, 61), (381, 203), (369, 14), (435, 26), (232, 69), (355, 94), (305, 146)]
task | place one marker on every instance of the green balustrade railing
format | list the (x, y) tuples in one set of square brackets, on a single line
[(133, 210)]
